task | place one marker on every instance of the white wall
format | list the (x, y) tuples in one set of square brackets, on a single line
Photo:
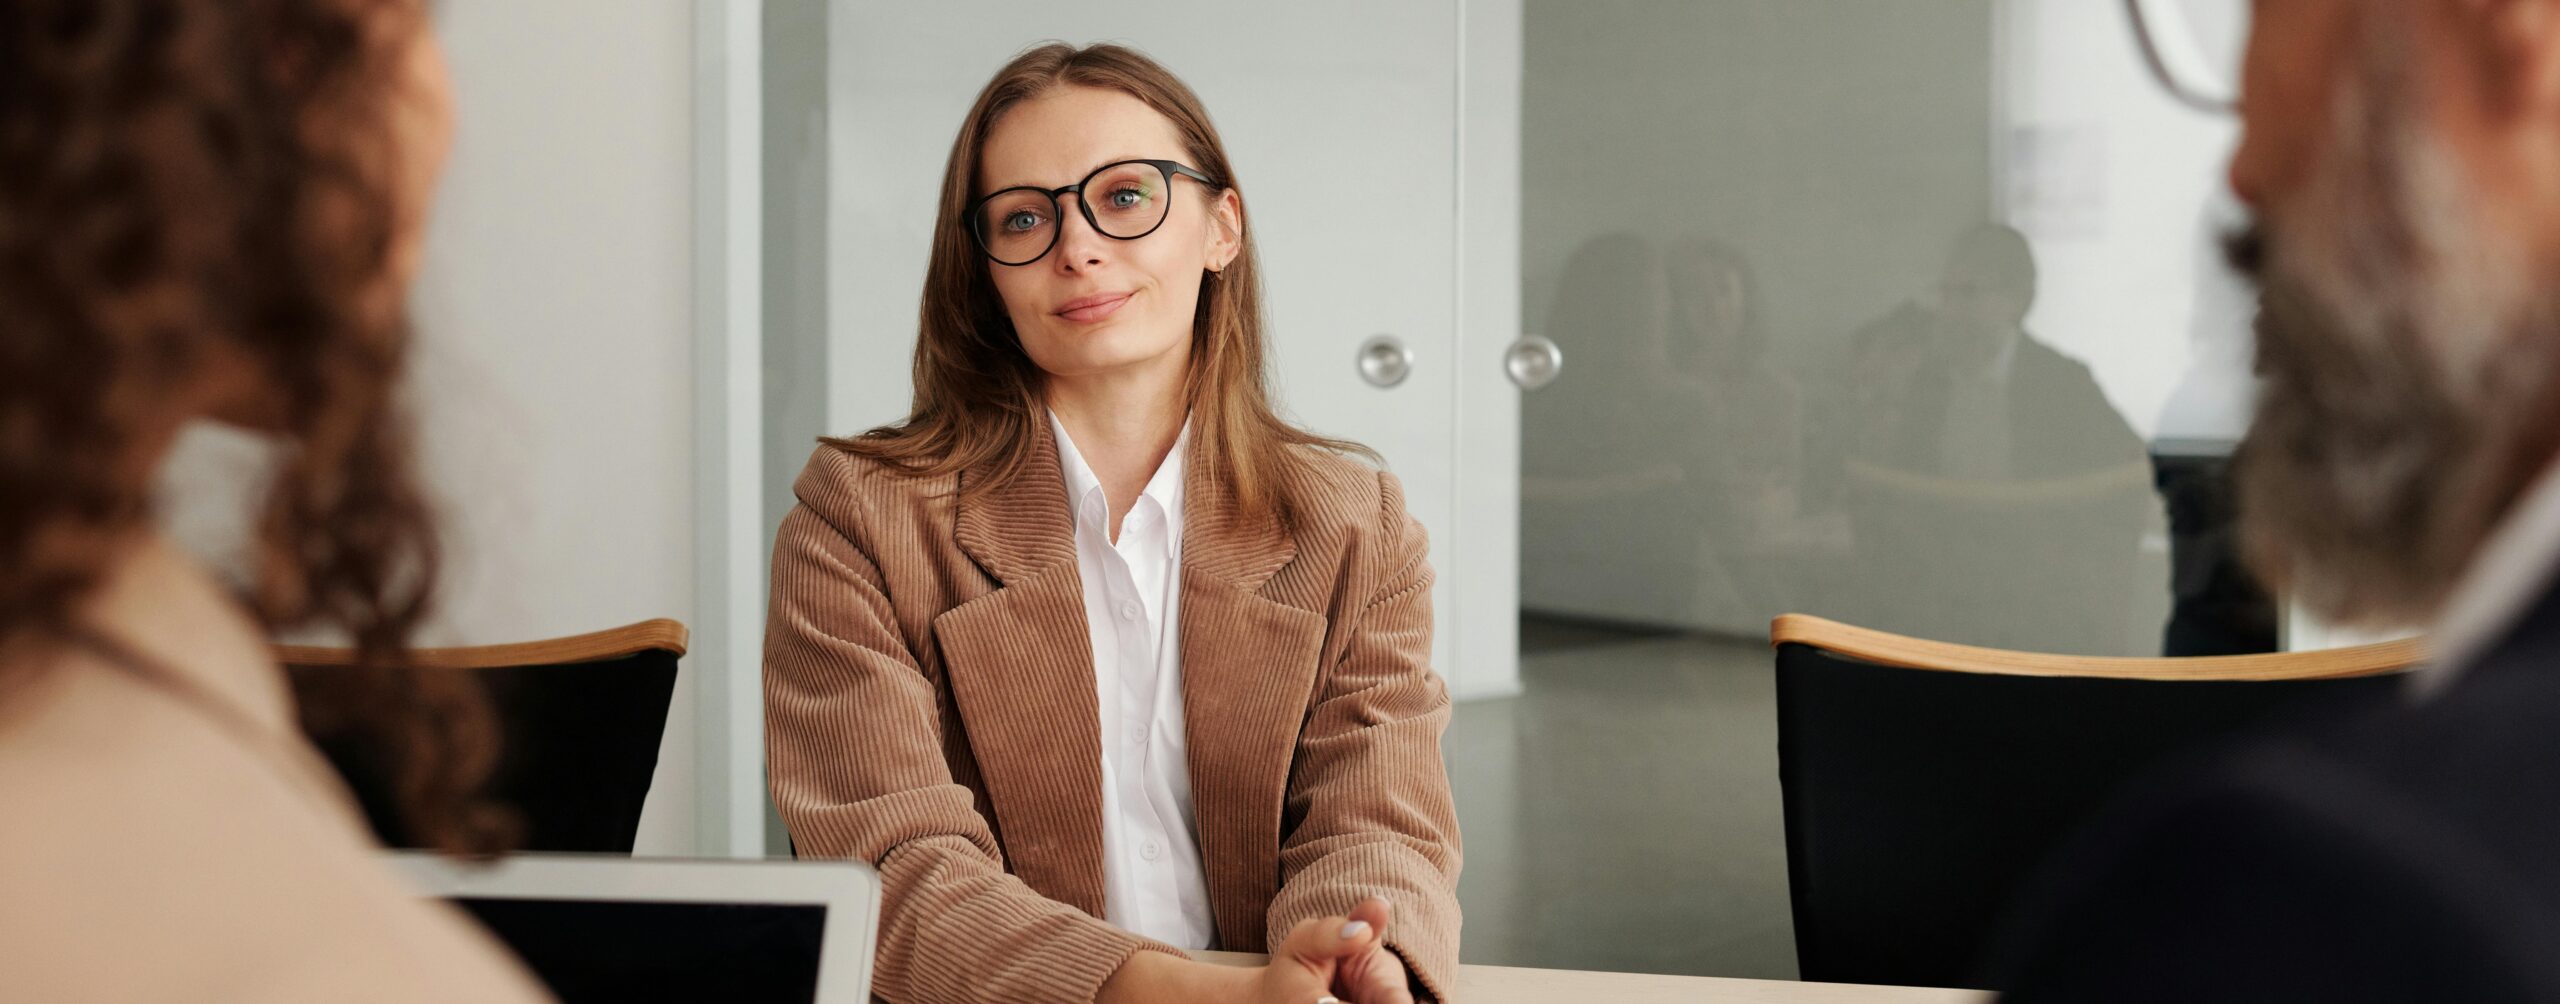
[(1838, 143), (795, 367), (1482, 616), (556, 340), (2121, 191)]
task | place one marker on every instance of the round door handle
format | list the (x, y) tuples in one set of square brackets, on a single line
[(1533, 361), (1384, 361)]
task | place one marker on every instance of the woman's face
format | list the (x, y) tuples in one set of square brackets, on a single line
[(1709, 300), (1095, 305), (422, 129)]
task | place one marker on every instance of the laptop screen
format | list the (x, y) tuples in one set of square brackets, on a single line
[(610, 928), (586, 950)]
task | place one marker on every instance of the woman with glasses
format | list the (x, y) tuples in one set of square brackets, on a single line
[(1095, 656)]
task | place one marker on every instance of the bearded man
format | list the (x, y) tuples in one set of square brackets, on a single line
[(2402, 160)]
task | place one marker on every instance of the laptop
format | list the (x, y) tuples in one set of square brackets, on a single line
[(611, 928)]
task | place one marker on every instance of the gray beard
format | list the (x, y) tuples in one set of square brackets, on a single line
[(2408, 367), (2365, 487)]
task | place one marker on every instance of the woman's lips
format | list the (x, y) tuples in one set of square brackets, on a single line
[(1088, 309)]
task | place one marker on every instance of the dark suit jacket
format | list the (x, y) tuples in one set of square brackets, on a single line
[(2043, 551), (2060, 423), (2402, 851)]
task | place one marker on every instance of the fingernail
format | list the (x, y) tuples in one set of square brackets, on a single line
[(1354, 929)]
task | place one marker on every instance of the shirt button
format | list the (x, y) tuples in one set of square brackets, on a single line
[(1151, 850), (1137, 735), (1128, 610)]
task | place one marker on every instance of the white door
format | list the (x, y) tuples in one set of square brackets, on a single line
[(1340, 119)]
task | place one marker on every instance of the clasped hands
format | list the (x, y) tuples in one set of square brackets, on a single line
[(1342, 957)]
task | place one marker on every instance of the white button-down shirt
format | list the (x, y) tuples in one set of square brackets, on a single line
[(1153, 883), (2515, 567)]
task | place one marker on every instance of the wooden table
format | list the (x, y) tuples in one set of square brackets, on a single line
[(1505, 985)]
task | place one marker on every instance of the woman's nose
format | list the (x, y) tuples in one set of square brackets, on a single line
[(1079, 244)]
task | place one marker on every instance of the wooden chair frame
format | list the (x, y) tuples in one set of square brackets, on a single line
[(1888, 649), (594, 646)]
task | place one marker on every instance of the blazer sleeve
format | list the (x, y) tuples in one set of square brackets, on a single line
[(854, 753), (2282, 878), (1368, 811)]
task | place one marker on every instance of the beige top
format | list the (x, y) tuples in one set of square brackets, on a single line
[(155, 848)]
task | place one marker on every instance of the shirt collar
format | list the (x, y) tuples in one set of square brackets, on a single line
[(1082, 484), (2515, 566), (1165, 487)]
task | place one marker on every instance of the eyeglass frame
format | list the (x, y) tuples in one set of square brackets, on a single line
[(1169, 168), (2158, 64)]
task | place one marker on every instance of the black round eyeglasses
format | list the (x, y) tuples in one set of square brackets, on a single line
[(1125, 200)]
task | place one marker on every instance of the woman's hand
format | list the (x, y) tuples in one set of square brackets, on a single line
[(1376, 976), (1340, 957), (1308, 967)]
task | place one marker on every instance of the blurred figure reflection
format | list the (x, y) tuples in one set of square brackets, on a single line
[(1997, 498), (1609, 519), (1751, 423), (1747, 464), (1663, 470)]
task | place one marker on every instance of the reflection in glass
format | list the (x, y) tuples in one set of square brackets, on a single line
[(1995, 495), (1806, 372), (1604, 495)]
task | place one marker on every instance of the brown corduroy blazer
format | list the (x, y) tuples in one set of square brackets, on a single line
[(930, 709)]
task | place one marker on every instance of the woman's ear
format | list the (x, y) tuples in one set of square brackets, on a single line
[(1226, 230)]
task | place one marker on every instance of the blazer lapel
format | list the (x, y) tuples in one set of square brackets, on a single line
[(1249, 664), (1020, 660)]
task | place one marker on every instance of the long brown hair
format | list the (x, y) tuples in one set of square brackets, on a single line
[(183, 180), (978, 400)]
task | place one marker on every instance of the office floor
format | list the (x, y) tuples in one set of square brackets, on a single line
[(1622, 813)]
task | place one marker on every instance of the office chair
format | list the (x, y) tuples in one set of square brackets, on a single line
[(1924, 782), (2048, 563), (579, 718)]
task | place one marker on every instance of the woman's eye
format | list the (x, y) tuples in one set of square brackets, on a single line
[(1128, 198), (1021, 221)]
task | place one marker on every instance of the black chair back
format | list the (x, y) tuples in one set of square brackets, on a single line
[(578, 744), (1917, 801)]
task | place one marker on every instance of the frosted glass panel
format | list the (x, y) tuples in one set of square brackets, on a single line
[(1877, 311)]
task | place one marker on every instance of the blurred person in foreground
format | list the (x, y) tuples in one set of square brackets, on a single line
[(212, 211), (2402, 159)]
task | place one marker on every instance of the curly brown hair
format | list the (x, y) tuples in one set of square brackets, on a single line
[(185, 180)]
